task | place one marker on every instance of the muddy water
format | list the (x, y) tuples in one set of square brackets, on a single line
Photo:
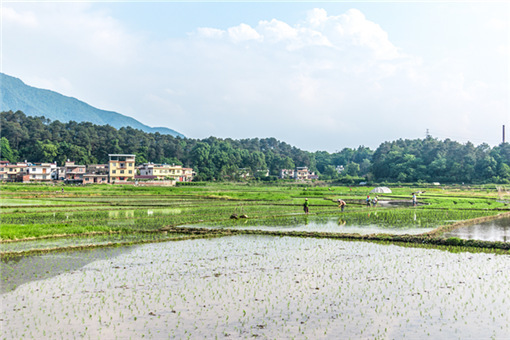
[(496, 230), (272, 287)]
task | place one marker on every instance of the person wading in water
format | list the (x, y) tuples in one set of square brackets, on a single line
[(341, 204)]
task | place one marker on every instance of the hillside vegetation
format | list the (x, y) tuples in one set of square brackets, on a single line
[(36, 102), (37, 139)]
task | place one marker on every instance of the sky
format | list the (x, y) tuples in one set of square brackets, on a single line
[(316, 75)]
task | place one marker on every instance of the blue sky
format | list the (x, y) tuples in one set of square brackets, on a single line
[(319, 76)]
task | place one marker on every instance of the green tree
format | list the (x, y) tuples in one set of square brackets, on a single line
[(6, 153), (352, 169)]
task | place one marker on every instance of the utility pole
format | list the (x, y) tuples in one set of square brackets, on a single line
[(503, 133), (427, 134)]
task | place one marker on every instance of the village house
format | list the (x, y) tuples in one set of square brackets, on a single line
[(188, 174), (165, 171), (13, 172), (96, 174), (300, 174), (243, 173), (3, 170), (41, 172), (73, 172), (95, 178), (121, 168), (287, 173), (97, 169)]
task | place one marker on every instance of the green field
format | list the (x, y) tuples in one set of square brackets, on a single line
[(158, 263), (39, 212)]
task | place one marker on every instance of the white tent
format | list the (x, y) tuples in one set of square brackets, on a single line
[(381, 190)]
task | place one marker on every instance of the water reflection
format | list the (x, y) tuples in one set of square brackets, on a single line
[(497, 230), (17, 270), (330, 224)]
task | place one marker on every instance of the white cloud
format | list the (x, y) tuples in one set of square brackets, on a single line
[(206, 32), (275, 31), (11, 16), (242, 33), (324, 82)]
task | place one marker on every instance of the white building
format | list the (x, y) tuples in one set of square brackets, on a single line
[(42, 172)]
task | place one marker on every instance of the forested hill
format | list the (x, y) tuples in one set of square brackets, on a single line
[(419, 160), (36, 102)]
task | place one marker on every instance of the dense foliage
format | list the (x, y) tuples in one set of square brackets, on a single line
[(421, 160), (431, 160), (40, 140)]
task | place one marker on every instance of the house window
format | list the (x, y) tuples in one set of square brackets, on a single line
[(130, 171), (114, 171)]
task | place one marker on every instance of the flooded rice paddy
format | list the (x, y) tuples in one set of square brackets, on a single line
[(496, 230), (257, 286), (84, 241), (329, 224)]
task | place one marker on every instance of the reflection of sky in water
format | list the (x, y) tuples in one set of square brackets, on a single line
[(248, 286), (330, 225), (62, 242), (497, 230)]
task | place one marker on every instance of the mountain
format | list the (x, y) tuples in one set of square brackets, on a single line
[(16, 95)]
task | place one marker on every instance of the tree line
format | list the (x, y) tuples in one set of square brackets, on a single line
[(38, 139)]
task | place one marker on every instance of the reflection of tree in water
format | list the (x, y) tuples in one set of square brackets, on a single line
[(495, 230), (17, 270)]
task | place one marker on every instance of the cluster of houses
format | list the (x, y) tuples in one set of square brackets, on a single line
[(120, 169)]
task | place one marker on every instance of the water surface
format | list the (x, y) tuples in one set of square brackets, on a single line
[(496, 230), (259, 286)]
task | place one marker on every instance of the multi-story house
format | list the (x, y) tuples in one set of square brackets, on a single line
[(13, 172), (166, 171), (3, 170), (41, 172), (96, 174), (188, 174), (121, 168), (97, 169), (300, 174), (287, 173), (74, 172)]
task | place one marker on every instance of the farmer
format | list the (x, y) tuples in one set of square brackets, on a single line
[(368, 201), (414, 199), (374, 201), (341, 204), (305, 206)]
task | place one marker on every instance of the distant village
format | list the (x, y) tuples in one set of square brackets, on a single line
[(120, 169)]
